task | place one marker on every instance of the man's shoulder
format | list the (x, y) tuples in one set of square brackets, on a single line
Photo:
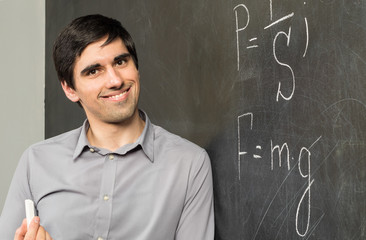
[(169, 141), (62, 145), (178, 153), (69, 138)]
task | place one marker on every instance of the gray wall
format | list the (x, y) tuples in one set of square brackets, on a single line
[(22, 40)]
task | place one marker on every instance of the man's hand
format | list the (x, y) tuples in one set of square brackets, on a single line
[(35, 231)]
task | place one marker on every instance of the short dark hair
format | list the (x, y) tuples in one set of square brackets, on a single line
[(81, 32)]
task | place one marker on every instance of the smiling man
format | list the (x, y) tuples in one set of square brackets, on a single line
[(118, 176)]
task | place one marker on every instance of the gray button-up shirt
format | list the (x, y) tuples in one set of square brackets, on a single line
[(158, 188)]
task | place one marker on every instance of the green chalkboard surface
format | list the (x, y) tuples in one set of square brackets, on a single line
[(274, 90)]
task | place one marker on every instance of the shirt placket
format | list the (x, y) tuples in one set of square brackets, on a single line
[(104, 214)]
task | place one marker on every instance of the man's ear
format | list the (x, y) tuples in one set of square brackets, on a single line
[(70, 92)]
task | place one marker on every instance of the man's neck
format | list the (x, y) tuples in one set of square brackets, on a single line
[(112, 136)]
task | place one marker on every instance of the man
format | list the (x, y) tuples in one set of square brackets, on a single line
[(118, 176)]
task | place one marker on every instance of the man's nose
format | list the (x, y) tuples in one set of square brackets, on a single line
[(115, 79)]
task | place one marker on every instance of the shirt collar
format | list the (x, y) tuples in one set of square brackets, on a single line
[(83, 140), (146, 139)]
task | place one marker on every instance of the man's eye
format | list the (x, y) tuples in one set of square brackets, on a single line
[(120, 62), (92, 72)]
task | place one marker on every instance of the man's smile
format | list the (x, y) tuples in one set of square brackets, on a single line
[(117, 96)]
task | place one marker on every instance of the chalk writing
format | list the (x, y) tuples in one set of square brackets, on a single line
[(306, 192), (279, 92), (242, 13), (282, 153), (239, 119), (279, 153), (238, 30)]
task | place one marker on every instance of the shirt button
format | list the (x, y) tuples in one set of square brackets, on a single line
[(100, 238), (111, 157), (106, 197), (92, 150)]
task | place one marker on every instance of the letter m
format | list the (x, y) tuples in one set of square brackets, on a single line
[(279, 151)]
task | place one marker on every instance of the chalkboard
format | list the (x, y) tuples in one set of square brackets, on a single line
[(274, 90)]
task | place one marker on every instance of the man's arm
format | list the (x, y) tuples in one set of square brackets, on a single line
[(14, 209), (197, 219)]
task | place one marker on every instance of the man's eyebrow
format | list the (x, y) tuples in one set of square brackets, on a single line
[(93, 66), (122, 56), (88, 68)]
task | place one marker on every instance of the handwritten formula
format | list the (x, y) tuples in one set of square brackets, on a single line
[(280, 153), (242, 14)]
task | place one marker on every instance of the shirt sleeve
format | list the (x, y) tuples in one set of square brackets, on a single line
[(197, 219), (14, 209)]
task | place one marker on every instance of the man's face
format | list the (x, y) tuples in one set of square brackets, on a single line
[(106, 82)]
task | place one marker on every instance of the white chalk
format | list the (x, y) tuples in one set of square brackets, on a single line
[(29, 211)]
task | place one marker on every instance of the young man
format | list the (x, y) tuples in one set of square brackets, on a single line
[(118, 176)]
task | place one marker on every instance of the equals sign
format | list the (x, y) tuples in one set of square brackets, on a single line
[(255, 155), (252, 46)]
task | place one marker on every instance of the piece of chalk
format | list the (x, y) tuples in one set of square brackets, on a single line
[(29, 211)]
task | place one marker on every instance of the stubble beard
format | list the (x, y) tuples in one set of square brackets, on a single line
[(122, 114)]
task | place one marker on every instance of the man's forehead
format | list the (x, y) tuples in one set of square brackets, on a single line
[(97, 47), (98, 52), (104, 42)]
